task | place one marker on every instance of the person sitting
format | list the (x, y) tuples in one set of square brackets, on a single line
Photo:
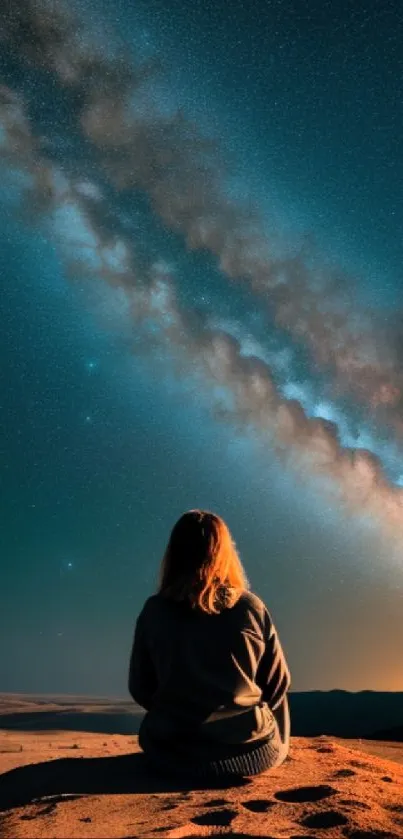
[(206, 662)]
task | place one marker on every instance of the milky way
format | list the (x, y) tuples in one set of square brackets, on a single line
[(203, 277)]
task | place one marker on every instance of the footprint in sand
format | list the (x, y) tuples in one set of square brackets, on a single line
[(216, 818), (352, 802), (57, 798), (187, 832), (394, 808), (370, 834), (300, 794), (344, 773), (329, 818), (361, 764), (50, 808), (216, 802), (258, 805)]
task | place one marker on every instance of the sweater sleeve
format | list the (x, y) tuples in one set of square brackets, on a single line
[(273, 675), (142, 675)]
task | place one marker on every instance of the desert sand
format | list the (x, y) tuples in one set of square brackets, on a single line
[(89, 782)]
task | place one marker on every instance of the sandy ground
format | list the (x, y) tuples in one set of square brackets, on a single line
[(58, 783)]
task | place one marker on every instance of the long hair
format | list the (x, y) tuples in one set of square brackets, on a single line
[(201, 564)]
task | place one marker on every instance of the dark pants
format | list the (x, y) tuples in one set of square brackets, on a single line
[(236, 760)]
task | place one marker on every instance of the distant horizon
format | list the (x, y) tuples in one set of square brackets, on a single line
[(376, 715), (128, 699)]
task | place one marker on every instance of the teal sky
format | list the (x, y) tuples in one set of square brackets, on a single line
[(200, 227)]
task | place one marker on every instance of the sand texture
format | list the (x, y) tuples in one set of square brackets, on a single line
[(58, 783)]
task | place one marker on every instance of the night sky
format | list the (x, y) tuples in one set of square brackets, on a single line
[(201, 272)]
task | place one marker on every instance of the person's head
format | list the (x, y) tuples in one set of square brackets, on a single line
[(201, 563)]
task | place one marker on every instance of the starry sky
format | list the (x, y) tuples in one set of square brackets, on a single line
[(200, 260)]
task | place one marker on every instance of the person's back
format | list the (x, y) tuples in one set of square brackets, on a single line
[(211, 674)]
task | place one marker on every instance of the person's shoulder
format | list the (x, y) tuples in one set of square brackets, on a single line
[(252, 604), (151, 605), (252, 601), (252, 613), (163, 611)]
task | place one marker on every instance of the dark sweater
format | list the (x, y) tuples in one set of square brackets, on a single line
[(207, 678)]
